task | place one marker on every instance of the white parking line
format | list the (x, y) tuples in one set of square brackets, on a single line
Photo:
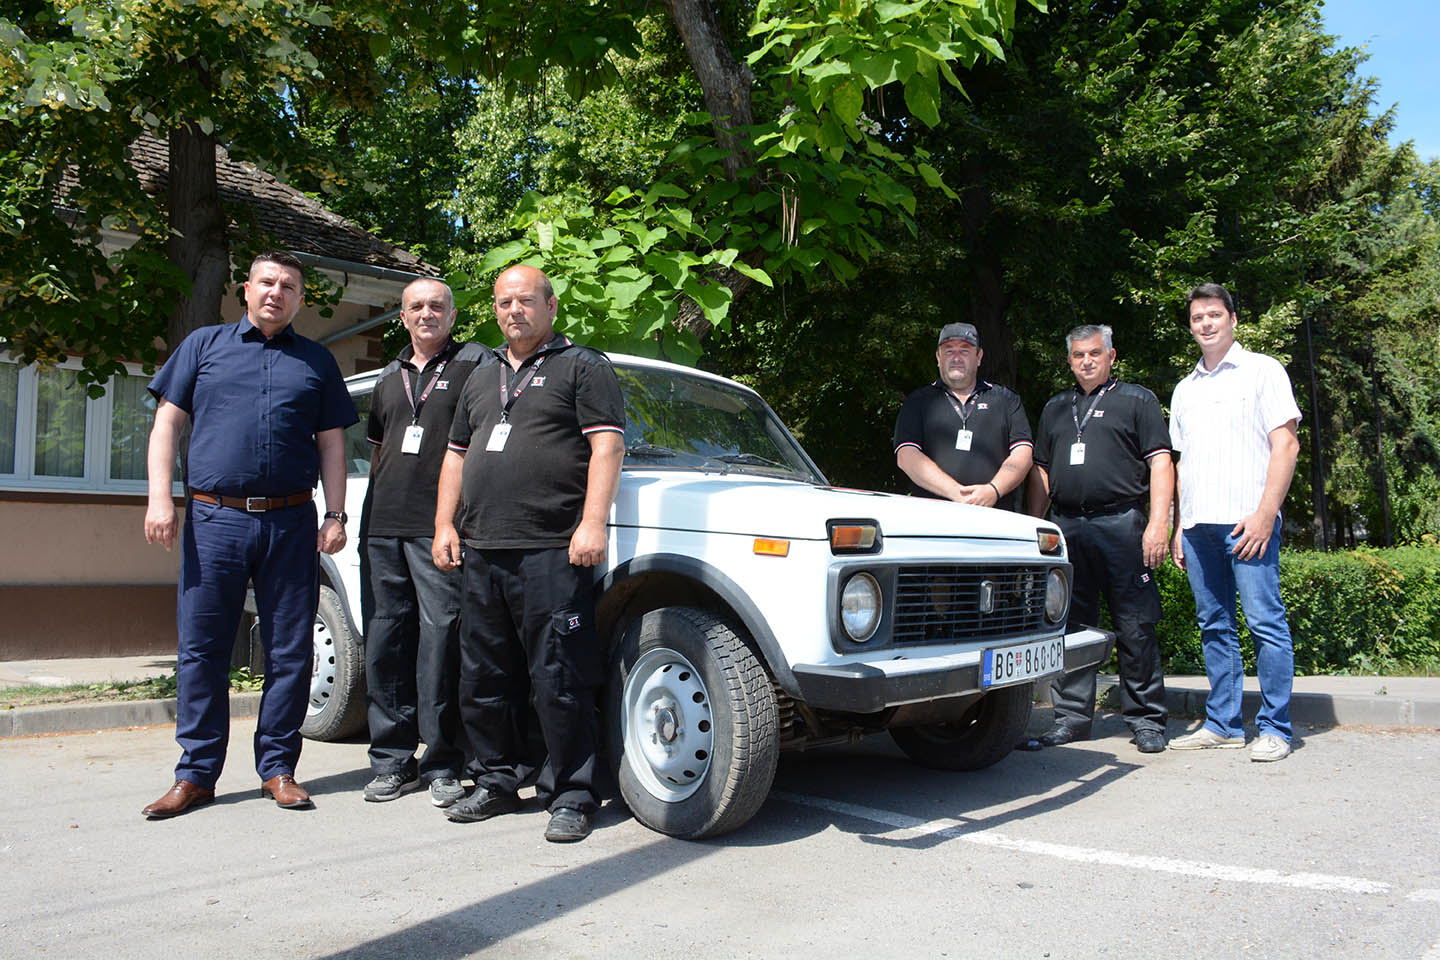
[(1419, 896), (957, 830)]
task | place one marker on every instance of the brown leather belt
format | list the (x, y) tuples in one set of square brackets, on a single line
[(255, 504)]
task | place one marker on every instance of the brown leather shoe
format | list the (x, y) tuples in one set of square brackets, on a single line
[(286, 792), (181, 797)]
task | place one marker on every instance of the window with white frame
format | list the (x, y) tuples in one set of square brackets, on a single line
[(54, 436)]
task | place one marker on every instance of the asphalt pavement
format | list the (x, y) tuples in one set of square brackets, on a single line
[(1090, 850), (1405, 702)]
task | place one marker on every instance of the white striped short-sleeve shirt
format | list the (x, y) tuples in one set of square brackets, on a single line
[(1220, 423)]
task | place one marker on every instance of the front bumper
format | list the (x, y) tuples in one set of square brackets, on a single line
[(872, 687)]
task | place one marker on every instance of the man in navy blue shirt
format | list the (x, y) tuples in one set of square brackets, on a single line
[(267, 410)]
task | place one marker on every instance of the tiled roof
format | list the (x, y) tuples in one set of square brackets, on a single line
[(298, 222)]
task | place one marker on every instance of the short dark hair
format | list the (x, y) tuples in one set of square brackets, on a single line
[(1209, 291), (282, 257)]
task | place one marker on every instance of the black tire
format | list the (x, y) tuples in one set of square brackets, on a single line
[(684, 673), (337, 681), (983, 736)]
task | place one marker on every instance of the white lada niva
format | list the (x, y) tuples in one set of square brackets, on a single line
[(749, 607)]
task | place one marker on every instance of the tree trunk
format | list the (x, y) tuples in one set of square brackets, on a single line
[(726, 85), (724, 81), (985, 294), (198, 241)]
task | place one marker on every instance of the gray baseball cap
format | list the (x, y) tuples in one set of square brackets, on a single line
[(959, 331)]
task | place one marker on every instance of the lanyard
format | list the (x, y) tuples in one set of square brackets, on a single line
[(1075, 409), (415, 404), (506, 399), (962, 410)]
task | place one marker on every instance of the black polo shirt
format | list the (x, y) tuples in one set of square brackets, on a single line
[(531, 494), (993, 415), (401, 498), (1125, 431), (255, 405)]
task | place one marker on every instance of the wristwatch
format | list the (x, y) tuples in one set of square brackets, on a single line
[(340, 515)]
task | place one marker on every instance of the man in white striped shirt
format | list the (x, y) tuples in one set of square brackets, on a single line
[(1232, 423)]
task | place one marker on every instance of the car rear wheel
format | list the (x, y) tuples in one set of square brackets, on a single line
[(983, 735), (692, 724), (337, 680)]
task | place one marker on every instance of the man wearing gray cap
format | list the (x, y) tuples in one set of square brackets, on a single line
[(962, 438)]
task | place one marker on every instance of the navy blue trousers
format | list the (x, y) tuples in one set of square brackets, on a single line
[(222, 550)]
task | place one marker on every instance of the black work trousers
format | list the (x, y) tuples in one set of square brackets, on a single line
[(528, 636), (412, 660), (1106, 557)]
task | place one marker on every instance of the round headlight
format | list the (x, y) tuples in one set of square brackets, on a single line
[(860, 607), (1057, 595)]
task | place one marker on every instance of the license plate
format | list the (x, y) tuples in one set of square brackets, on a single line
[(1017, 664)]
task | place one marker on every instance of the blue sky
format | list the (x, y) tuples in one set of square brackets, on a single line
[(1401, 37)]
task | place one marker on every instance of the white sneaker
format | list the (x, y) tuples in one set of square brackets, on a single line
[(1207, 739), (1268, 747)]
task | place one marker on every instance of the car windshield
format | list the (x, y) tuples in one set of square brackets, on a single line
[(675, 421)]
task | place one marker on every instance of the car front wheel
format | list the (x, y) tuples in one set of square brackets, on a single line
[(692, 723), (337, 680)]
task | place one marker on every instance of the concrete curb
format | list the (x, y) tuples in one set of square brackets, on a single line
[(1342, 701), (1325, 709), (78, 717)]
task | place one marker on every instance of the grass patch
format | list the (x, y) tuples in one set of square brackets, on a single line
[(153, 688)]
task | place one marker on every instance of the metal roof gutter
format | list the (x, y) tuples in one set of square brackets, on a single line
[(349, 267), (360, 327), (359, 269)]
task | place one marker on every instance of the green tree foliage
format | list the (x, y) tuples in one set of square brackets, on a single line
[(80, 83), (787, 179), (1123, 152)]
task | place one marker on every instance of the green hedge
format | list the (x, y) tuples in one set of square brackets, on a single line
[(1355, 611)]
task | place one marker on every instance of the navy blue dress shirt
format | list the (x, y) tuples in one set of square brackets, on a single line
[(255, 406)]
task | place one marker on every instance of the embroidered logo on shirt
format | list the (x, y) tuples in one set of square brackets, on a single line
[(982, 406), (574, 622), (537, 382), (1099, 414), (1144, 578), (442, 385)]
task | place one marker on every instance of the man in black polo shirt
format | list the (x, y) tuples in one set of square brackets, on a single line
[(536, 448), (1102, 456), (412, 610), (962, 438)]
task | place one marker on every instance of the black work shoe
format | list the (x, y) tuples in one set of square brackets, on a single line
[(568, 826), (1149, 740), (1059, 735), (389, 786), (482, 805)]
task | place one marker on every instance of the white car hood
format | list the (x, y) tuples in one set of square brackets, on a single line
[(765, 507)]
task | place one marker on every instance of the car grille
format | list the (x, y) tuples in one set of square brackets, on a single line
[(941, 603)]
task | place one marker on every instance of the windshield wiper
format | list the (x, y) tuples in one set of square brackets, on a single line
[(643, 449), (754, 460)]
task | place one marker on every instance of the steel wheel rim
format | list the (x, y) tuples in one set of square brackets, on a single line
[(669, 732), (322, 671)]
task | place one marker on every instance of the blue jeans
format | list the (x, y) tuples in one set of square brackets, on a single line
[(1216, 574)]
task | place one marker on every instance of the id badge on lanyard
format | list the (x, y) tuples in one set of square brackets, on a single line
[(498, 436), (963, 438), (413, 435)]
